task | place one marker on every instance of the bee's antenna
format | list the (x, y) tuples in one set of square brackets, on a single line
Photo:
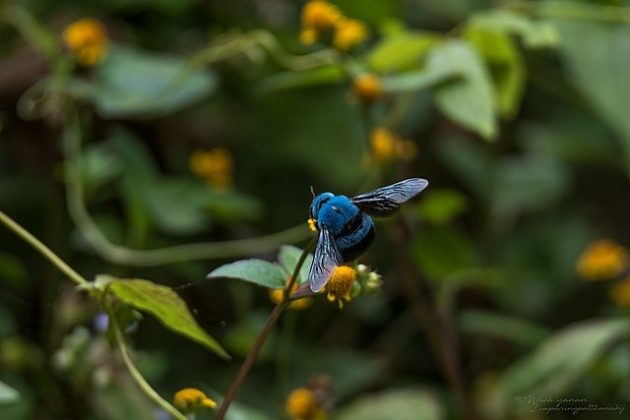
[(312, 191)]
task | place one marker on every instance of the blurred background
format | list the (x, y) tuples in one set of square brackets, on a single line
[(142, 138)]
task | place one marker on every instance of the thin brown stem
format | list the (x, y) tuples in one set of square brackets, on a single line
[(262, 337)]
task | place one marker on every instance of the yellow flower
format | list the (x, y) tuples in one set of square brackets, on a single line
[(320, 15), (309, 36), (190, 399), (603, 259), (86, 40), (348, 34), (387, 146), (620, 293), (275, 295), (302, 404), (312, 224), (341, 284), (214, 166), (367, 88)]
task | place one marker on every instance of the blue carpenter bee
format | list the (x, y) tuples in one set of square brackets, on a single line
[(345, 227)]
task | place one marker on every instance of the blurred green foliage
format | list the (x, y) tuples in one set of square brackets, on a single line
[(518, 113)]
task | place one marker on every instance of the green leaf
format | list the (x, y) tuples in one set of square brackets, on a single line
[(596, 54), (260, 272), (163, 303), (440, 252), (7, 394), (515, 329), (469, 100), (535, 33), (136, 83), (399, 404), (441, 206), (506, 66), (560, 362), (400, 52), (289, 256)]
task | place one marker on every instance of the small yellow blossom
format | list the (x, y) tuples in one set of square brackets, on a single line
[(603, 259), (302, 404), (308, 36), (215, 166), (620, 293), (191, 399), (320, 15), (341, 284), (312, 224), (275, 295), (348, 34), (87, 41), (387, 146), (367, 88)]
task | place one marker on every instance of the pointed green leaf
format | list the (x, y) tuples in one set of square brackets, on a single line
[(260, 272), (289, 256), (469, 100), (163, 303), (506, 65)]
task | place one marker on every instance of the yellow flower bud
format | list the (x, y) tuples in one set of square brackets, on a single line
[(86, 40), (367, 88), (348, 34), (603, 259), (320, 15), (302, 404), (191, 399), (340, 285)]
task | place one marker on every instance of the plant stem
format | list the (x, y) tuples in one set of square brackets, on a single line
[(154, 257), (262, 336), (137, 376), (43, 249)]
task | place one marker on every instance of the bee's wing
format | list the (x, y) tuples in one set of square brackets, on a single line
[(385, 200), (326, 258)]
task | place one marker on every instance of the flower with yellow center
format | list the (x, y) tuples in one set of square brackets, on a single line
[(214, 166), (87, 41), (191, 399), (603, 259), (341, 284), (620, 293), (302, 404), (367, 88), (348, 34), (276, 295), (320, 16)]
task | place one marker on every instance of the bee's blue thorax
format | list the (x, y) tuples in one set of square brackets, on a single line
[(333, 212)]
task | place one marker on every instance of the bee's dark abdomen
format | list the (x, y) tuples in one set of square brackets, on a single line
[(353, 251)]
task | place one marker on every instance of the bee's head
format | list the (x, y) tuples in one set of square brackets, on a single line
[(318, 202)]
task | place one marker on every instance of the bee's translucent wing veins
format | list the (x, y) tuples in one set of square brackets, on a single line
[(385, 200), (326, 258)]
